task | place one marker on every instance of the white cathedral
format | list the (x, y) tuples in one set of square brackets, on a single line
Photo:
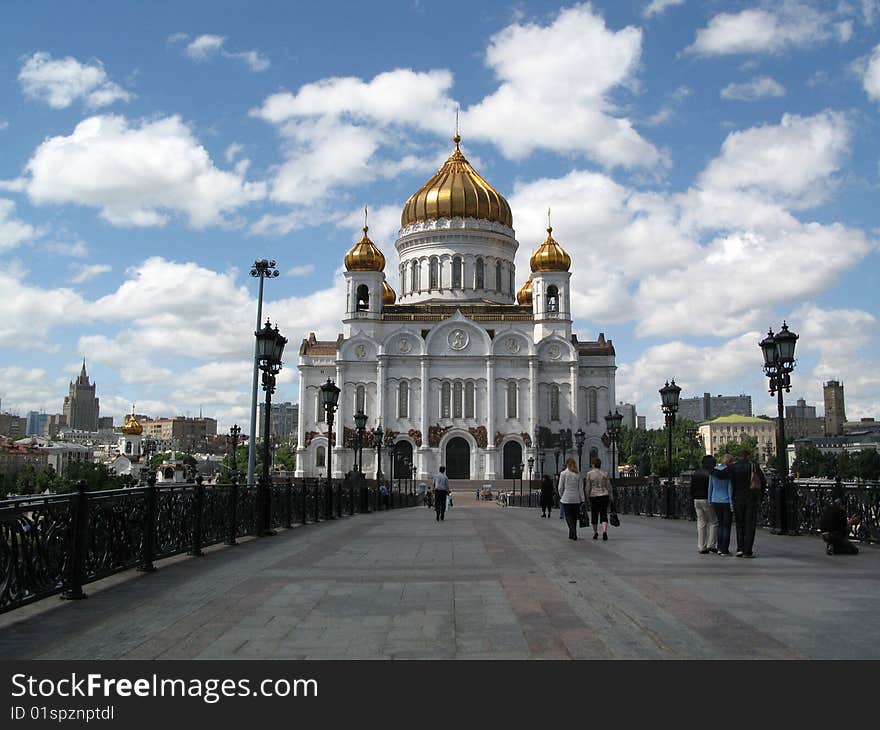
[(461, 370)]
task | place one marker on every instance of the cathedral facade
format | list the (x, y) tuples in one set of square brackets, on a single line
[(462, 369)]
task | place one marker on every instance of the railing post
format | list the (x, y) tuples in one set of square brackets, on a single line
[(305, 501), (233, 510), (317, 497), (79, 544), (146, 565), (198, 505), (339, 501), (288, 498)]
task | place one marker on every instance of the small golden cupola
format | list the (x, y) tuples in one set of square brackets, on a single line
[(364, 255), (131, 427), (456, 191), (389, 296), (524, 295), (550, 256)]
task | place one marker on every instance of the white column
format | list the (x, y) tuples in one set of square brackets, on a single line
[(423, 416), (380, 392), (341, 411), (573, 376), (533, 401), (301, 427), (490, 418)]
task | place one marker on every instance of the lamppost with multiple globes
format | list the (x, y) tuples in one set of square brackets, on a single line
[(270, 348), (360, 429), (612, 426), (669, 398), (779, 362), (580, 438), (329, 400)]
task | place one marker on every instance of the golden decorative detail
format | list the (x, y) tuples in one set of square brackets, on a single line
[(389, 296), (524, 295), (364, 255), (131, 427), (550, 256), (456, 191)]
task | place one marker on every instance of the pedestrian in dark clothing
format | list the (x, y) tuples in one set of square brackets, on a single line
[(441, 490), (546, 496), (721, 498), (707, 522), (749, 484), (835, 528)]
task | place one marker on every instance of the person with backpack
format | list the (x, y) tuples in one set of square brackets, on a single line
[(749, 483)]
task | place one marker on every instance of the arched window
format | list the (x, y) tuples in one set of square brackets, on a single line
[(456, 273), (320, 456), (435, 273), (445, 400), (479, 276), (554, 402), (552, 299), (360, 399), (414, 277), (592, 406), (510, 279), (128, 447), (498, 276), (469, 404), (511, 399), (362, 298), (403, 400), (456, 399)]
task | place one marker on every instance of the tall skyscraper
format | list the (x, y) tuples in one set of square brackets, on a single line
[(835, 412), (81, 406)]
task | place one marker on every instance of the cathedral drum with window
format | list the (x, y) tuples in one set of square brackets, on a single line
[(461, 370)]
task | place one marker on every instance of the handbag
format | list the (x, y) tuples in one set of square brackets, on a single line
[(583, 517), (613, 518), (448, 501), (755, 480)]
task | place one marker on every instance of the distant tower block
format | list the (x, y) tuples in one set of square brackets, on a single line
[(835, 412)]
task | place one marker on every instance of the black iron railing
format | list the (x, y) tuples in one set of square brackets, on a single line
[(51, 544)]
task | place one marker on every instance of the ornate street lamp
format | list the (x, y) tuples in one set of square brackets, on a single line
[(378, 436), (232, 439), (360, 428), (541, 457), (270, 347), (779, 362), (412, 484), (669, 397), (262, 269), (531, 462), (329, 399), (612, 424), (580, 439)]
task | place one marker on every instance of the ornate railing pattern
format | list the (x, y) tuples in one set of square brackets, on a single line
[(52, 544)]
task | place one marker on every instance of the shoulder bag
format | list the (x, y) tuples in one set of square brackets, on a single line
[(612, 516)]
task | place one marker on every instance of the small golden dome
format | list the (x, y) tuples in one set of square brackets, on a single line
[(524, 295), (131, 427), (456, 191), (364, 256), (389, 296), (550, 256)]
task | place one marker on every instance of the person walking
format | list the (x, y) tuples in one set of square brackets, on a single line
[(707, 522), (599, 494), (440, 488), (721, 499), (571, 494), (546, 496), (749, 483)]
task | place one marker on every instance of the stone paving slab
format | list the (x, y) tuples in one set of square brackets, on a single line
[(488, 583)]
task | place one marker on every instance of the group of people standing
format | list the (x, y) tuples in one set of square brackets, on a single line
[(594, 489)]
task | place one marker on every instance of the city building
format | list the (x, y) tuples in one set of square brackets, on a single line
[(835, 410), (863, 424), (628, 411), (14, 457), (801, 421), (37, 423), (54, 425), (707, 407), (463, 370), (12, 426), (105, 423), (850, 443), (282, 421), (724, 429), (81, 407), (59, 454), (181, 433), (642, 423)]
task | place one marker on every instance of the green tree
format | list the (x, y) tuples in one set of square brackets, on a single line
[(809, 462), (285, 456), (867, 464)]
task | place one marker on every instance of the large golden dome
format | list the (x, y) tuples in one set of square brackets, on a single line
[(550, 256), (524, 295), (131, 427), (364, 256), (389, 296), (456, 191)]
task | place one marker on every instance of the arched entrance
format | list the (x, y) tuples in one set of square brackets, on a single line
[(401, 460), (458, 458), (512, 455)]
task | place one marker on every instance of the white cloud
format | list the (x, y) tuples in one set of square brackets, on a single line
[(758, 88), (12, 230), (4, 124), (87, 272), (206, 47), (232, 151), (758, 30), (871, 78), (31, 388), (254, 60), (61, 82), (137, 175), (74, 249), (657, 7), (555, 105), (304, 270)]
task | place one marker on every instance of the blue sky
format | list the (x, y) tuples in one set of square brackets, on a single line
[(712, 169)]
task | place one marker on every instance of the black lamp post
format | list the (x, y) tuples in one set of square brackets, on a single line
[(329, 399), (412, 484), (360, 429), (564, 443), (234, 433), (778, 351), (378, 435), (669, 395), (531, 463), (612, 424), (557, 452), (270, 347), (541, 458), (580, 439)]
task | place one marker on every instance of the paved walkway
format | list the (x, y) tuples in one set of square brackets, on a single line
[(488, 583)]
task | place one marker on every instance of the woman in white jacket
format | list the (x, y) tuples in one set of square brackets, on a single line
[(571, 494)]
